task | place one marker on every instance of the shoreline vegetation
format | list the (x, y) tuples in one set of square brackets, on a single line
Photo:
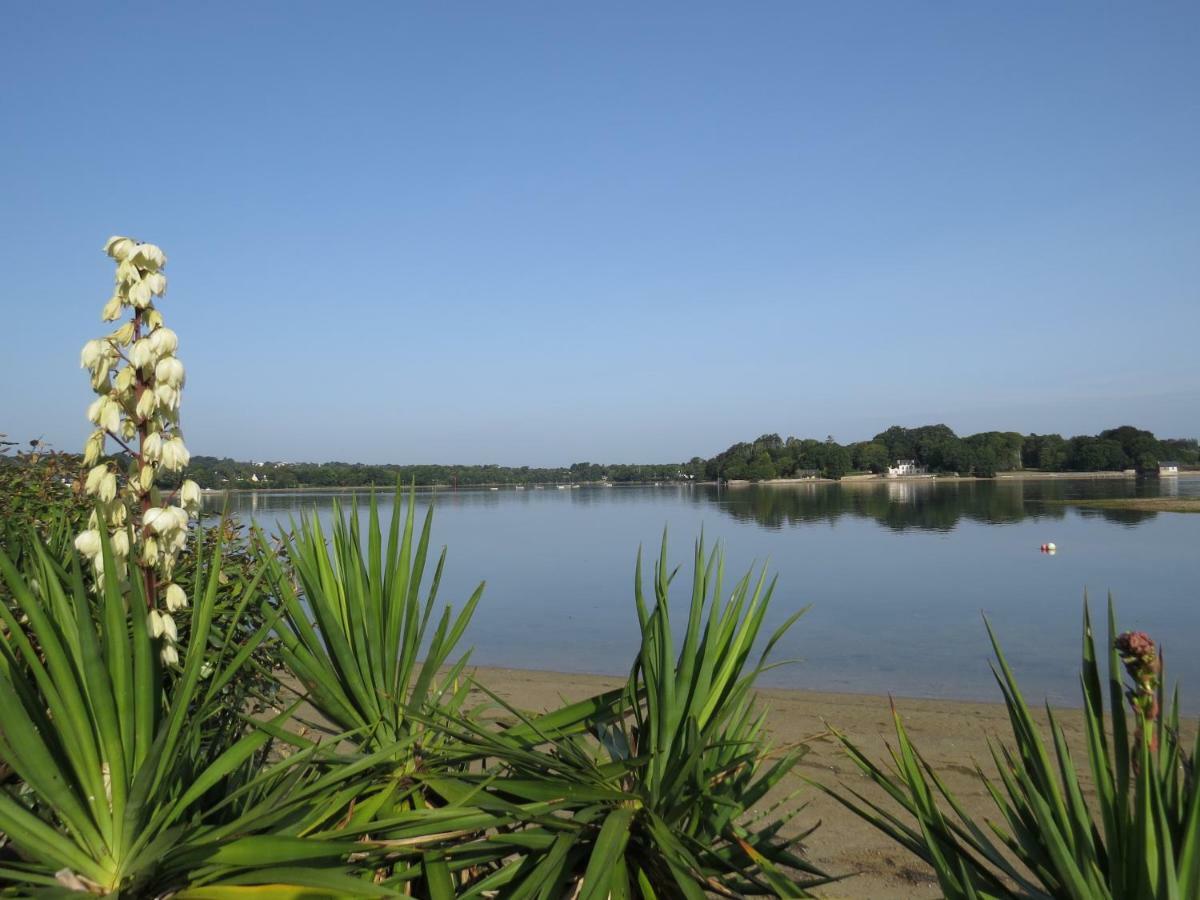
[(769, 459), (852, 480)]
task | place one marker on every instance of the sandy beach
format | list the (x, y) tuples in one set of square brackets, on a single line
[(953, 735)]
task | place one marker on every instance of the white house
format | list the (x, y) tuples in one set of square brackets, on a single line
[(905, 467), (1168, 468)]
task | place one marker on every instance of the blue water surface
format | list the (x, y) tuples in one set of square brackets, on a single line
[(898, 574)]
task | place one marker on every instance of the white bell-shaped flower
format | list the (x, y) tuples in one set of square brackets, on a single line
[(119, 540), (170, 656), (152, 447), (95, 354), (176, 598), (125, 379), (189, 495), (127, 274), (154, 623), (112, 309), (94, 447), (169, 631), (168, 396), (119, 248), (139, 295), (88, 543), (104, 412), (95, 477), (164, 342), (178, 540), (156, 282), (124, 334), (146, 404), (175, 455), (169, 370), (157, 520), (141, 354), (148, 256)]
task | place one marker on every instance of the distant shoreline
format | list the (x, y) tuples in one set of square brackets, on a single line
[(1023, 475), (485, 486)]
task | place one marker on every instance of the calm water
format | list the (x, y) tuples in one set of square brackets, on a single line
[(897, 574)]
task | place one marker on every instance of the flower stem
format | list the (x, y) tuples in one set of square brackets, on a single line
[(140, 385)]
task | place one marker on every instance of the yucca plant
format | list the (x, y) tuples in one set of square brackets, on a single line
[(1137, 839), (119, 788), (660, 792), (355, 631)]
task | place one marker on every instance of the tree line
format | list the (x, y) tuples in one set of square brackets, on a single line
[(941, 451), (935, 447), (218, 473)]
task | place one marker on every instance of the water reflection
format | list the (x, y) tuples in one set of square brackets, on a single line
[(900, 505), (936, 506)]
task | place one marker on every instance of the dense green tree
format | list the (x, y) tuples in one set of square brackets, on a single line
[(762, 467), (1044, 451), (870, 455), (1141, 448)]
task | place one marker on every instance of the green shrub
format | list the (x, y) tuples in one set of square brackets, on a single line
[(121, 788), (355, 631), (656, 779), (1140, 836)]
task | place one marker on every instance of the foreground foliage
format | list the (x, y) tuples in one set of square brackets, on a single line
[(660, 776), (1140, 838), (355, 631), (120, 787)]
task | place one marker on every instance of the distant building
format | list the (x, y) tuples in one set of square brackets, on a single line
[(1168, 468), (906, 467)]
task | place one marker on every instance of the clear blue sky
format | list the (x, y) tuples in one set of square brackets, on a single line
[(542, 233)]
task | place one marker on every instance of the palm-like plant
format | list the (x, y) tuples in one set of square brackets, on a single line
[(1139, 839), (658, 777), (355, 631), (120, 787)]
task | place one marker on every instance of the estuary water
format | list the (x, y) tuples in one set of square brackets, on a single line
[(898, 574)]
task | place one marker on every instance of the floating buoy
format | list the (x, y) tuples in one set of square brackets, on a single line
[(1049, 548)]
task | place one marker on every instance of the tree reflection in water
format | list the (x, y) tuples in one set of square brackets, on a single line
[(925, 504)]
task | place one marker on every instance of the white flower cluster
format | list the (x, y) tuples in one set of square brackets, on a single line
[(138, 381)]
